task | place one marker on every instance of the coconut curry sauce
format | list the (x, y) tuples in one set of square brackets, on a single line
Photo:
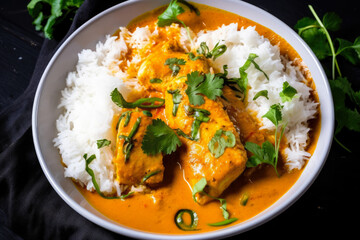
[(251, 193)]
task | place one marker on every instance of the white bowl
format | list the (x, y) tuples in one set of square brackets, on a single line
[(45, 111)]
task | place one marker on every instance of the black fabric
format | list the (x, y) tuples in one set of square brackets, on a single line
[(29, 207)]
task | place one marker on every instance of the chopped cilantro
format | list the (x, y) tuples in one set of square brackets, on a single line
[(262, 93), (176, 100), (288, 92), (217, 51)]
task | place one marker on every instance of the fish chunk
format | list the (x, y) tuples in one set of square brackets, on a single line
[(195, 156), (133, 166)]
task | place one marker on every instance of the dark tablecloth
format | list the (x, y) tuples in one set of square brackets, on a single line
[(31, 209)]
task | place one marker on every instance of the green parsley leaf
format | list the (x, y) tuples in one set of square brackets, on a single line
[(120, 101), (102, 143), (159, 137), (288, 92), (48, 15), (262, 93), (208, 85)]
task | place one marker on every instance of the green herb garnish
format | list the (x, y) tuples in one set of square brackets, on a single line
[(119, 100), (93, 179), (200, 115), (209, 85), (222, 223), (155, 80), (216, 52), (218, 143), (244, 199), (179, 221), (170, 14), (288, 92), (128, 143), (125, 115), (102, 143), (49, 15), (243, 80), (199, 188), (149, 175), (262, 93), (173, 64), (160, 138), (193, 57), (267, 153), (316, 33), (176, 100)]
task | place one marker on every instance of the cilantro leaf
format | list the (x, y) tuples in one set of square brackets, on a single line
[(169, 16), (218, 143), (350, 51), (159, 137), (274, 114), (49, 14), (263, 154), (209, 85), (288, 92), (332, 21)]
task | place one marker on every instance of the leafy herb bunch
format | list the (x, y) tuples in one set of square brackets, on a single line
[(316, 33)]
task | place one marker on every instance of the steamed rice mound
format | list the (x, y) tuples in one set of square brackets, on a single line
[(88, 111)]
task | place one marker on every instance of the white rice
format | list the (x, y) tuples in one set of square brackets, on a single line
[(89, 111), (296, 113)]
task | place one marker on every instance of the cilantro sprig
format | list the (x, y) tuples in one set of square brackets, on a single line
[(49, 15), (209, 85), (268, 153), (316, 32)]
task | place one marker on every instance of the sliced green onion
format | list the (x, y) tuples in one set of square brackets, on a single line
[(222, 223), (102, 143), (93, 179), (127, 116), (119, 100), (244, 199), (176, 100), (200, 115), (179, 221), (155, 80), (150, 175), (128, 145)]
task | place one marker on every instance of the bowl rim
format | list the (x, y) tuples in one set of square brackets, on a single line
[(247, 225)]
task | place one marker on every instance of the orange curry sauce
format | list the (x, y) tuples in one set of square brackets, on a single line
[(155, 212)]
